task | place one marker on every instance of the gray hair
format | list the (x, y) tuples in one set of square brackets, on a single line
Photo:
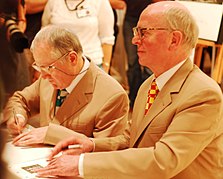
[(182, 20), (59, 40)]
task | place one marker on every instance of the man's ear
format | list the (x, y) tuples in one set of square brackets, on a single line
[(73, 57), (176, 40)]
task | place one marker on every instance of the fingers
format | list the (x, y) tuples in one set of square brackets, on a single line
[(14, 127), (73, 152), (62, 145), (25, 139), (19, 137), (57, 149), (34, 136), (52, 162), (47, 172), (65, 165)]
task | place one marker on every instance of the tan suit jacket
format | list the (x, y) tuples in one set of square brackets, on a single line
[(180, 137), (97, 106)]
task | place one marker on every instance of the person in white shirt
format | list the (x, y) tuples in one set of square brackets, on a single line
[(91, 20)]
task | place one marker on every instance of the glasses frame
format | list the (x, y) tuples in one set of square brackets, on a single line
[(47, 69), (139, 31)]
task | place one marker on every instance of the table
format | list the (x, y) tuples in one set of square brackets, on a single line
[(21, 159)]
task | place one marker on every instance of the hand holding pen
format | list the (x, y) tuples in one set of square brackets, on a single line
[(17, 122)]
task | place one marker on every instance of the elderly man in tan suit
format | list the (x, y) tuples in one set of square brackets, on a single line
[(96, 104), (180, 134)]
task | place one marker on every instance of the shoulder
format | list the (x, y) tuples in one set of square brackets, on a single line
[(199, 80), (102, 80)]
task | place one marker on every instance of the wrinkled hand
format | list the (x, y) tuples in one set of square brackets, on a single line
[(86, 145), (15, 128), (65, 165), (34, 136)]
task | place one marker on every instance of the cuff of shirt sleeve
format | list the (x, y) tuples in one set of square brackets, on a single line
[(81, 166)]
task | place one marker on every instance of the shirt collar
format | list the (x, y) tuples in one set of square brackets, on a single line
[(163, 78), (80, 76)]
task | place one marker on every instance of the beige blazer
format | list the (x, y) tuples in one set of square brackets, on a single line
[(97, 106), (180, 137)]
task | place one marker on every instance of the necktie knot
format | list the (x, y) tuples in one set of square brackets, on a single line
[(152, 93), (61, 95)]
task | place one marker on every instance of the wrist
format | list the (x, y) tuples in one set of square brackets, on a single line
[(92, 145)]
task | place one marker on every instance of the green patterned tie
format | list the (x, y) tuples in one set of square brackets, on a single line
[(61, 96)]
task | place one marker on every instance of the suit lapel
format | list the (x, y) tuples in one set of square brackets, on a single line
[(163, 100), (47, 102), (79, 97), (53, 103)]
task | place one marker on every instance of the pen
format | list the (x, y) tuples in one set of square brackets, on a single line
[(75, 146), (16, 120)]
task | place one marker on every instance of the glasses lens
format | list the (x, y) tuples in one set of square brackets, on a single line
[(137, 31), (134, 31), (40, 69)]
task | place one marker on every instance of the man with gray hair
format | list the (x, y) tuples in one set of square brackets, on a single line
[(177, 124), (72, 94)]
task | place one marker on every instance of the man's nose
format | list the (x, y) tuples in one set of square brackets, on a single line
[(136, 40)]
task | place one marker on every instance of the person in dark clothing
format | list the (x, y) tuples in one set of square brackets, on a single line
[(136, 74), (116, 4), (14, 67), (34, 12)]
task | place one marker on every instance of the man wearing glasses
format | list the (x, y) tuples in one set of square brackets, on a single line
[(177, 121), (72, 94)]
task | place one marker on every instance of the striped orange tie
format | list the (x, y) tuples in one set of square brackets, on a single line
[(152, 93)]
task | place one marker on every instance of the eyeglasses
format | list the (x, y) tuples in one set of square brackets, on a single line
[(138, 31), (49, 68)]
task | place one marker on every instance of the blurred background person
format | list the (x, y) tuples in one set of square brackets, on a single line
[(116, 5), (136, 73), (11, 68), (14, 67), (34, 12), (91, 20)]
